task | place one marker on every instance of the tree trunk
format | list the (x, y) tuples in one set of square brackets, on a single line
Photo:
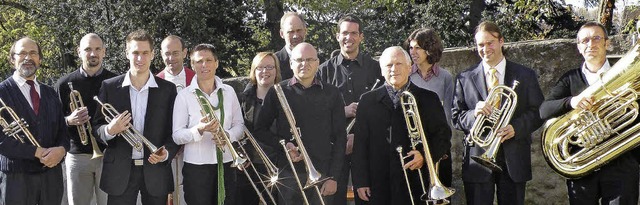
[(605, 13), (475, 14), (274, 11)]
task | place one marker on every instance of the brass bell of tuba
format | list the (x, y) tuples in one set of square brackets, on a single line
[(580, 141)]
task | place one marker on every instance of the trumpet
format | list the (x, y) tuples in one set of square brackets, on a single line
[(437, 193), (84, 130), (271, 169), (484, 130), (207, 110), (15, 127), (133, 136), (353, 121)]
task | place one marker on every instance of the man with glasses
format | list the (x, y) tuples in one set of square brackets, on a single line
[(354, 73), (617, 181), (30, 171), (319, 113)]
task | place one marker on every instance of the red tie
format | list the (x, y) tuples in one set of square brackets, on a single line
[(35, 98)]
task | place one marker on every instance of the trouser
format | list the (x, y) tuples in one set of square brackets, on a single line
[(43, 188), (246, 194), (176, 165), (616, 183), (83, 179), (508, 191), (135, 186), (201, 183)]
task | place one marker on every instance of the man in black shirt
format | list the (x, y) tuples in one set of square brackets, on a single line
[(293, 30), (318, 109), (82, 171), (354, 73)]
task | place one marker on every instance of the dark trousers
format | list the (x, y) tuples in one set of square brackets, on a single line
[(340, 197), (136, 185), (44, 188), (615, 184), (289, 191), (508, 191), (201, 184), (246, 194)]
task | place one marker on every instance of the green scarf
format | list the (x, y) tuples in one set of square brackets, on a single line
[(221, 191)]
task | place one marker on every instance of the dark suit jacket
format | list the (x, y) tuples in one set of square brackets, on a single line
[(285, 66), (379, 129), (471, 88), (117, 157), (48, 128)]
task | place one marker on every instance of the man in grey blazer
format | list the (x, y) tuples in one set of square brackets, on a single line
[(514, 155)]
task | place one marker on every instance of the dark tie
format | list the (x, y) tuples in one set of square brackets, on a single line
[(35, 98)]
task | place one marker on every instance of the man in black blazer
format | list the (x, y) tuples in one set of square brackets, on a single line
[(31, 174), (617, 181), (514, 155), (146, 103), (293, 29), (380, 128)]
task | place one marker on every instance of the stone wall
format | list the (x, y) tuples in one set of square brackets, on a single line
[(550, 59)]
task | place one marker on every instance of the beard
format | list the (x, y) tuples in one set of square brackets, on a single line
[(27, 71), (93, 62)]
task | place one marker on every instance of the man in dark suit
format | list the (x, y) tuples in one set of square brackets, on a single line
[(146, 103), (617, 181), (380, 128), (318, 109), (514, 155), (29, 171), (293, 30)]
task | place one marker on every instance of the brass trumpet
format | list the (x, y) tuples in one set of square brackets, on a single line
[(84, 130), (15, 127), (484, 130), (437, 193), (207, 110), (133, 136)]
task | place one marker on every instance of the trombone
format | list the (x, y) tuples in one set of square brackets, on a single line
[(84, 130), (314, 177), (437, 193), (16, 127), (133, 136), (272, 177)]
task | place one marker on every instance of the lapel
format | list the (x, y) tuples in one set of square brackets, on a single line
[(383, 97), (509, 75), (125, 99), (477, 77), (22, 100)]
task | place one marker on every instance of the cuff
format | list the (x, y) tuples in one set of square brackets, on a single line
[(195, 134)]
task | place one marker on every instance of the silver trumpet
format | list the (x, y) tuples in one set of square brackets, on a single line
[(15, 127), (484, 131), (353, 121), (437, 192), (85, 132), (133, 136), (208, 111)]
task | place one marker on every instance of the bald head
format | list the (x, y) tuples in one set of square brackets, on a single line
[(395, 64), (304, 63), (91, 51)]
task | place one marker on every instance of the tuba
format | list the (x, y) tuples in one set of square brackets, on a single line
[(84, 130), (207, 110), (15, 127), (580, 141), (437, 191), (133, 136), (484, 130)]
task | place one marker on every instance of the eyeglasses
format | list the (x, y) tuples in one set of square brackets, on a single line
[(264, 68), (308, 60), (592, 39), (24, 54), (352, 33)]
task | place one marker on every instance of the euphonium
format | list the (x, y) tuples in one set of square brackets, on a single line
[(437, 192), (15, 127), (580, 141), (207, 110), (485, 129), (314, 178), (133, 136), (84, 130)]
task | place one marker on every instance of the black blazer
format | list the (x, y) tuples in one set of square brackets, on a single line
[(117, 157), (471, 88), (379, 129), (285, 65)]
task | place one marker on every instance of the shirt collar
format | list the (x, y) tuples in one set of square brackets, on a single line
[(21, 81), (358, 58), (502, 65), (316, 81), (217, 81), (180, 74), (605, 67), (151, 83), (85, 74), (435, 71)]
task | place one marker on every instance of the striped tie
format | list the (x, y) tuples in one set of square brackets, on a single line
[(493, 82)]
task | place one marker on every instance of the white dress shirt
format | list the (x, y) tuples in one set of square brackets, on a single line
[(26, 88), (593, 77), (201, 149), (180, 80), (139, 99), (501, 67)]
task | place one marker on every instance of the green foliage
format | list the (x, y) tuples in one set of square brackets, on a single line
[(449, 18)]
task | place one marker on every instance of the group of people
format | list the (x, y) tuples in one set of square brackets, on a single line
[(347, 109)]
